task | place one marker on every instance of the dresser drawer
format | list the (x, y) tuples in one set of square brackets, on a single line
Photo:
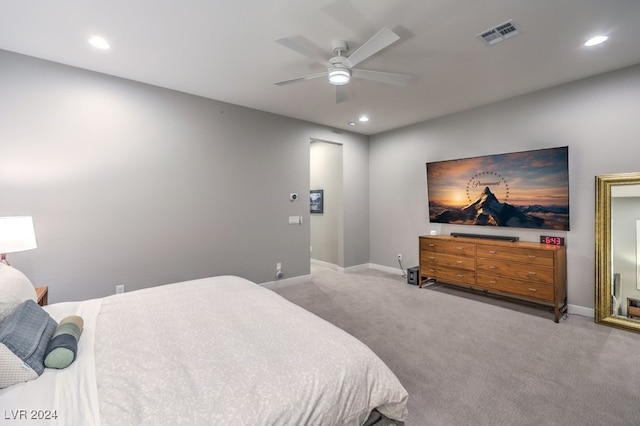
[(448, 247), (427, 271), (517, 254), (528, 289), (437, 259), (521, 271), (454, 276)]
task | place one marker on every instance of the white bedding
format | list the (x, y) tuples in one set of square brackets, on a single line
[(60, 397), (219, 350)]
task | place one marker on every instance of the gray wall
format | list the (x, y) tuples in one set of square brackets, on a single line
[(326, 228), (596, 117), (137, 185), (132, 184)]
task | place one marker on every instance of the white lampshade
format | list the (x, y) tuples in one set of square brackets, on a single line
[(16, 234)]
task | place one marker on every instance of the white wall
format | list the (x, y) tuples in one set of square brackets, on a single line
[(137, 185), (596, 117), (326, 228)]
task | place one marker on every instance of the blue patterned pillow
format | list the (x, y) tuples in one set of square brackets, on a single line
[(24, 336)]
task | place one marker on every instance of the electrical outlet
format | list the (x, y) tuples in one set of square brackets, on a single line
[(399, 256), (120, 289)]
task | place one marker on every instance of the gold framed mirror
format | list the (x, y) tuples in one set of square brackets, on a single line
[(616, 261)]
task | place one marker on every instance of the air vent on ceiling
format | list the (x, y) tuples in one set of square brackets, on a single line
[(499, 33)]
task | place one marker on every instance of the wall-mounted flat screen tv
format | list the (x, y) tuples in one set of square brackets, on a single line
[(528, 189)]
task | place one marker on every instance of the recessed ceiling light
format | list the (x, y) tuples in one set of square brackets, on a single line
[(352, 123), (99, 43), (594, 41), (363, 118)]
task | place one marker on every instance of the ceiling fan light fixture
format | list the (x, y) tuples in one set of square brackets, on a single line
[(339, 75)]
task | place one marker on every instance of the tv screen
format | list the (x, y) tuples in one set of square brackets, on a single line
[(528, 189)]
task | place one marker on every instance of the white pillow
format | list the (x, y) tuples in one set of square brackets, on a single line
[(15, 288)]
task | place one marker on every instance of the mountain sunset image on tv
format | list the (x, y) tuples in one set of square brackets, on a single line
[(528, 189)]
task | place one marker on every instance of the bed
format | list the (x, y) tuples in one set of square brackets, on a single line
[(219, 350)]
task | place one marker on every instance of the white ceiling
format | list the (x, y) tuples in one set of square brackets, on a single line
[(226, 50)]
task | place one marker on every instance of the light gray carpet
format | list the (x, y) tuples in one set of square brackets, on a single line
[(468, 359)]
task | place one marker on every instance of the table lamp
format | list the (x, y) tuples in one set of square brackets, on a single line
[(16, 234)]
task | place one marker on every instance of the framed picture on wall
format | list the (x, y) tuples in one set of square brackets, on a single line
[(316, 197)]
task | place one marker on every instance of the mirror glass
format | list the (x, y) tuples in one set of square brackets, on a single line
[(618, 250)]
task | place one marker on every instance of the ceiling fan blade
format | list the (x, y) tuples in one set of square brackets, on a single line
[(304, 51), (342, 94), (383, 77), (383, 38), (306, 77)]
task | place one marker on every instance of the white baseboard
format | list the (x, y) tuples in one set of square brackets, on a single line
[(355, 268), (388, 269), (581, 310), (358, 268), (327, 265), (286, 282)]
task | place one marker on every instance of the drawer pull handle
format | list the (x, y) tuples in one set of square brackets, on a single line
[(459, 248), (492, 267), (431, 257), (492, 251), (459, 261), (492, 282), (531, 256), (532, 273), (533, 289), (459, 275), (431, 245)]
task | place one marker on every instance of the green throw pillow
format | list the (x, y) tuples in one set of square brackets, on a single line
[(63, 346)]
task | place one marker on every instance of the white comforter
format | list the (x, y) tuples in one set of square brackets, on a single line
[(220, 351), (60, 397)]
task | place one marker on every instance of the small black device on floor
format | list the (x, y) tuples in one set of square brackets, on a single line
[(412, 275)]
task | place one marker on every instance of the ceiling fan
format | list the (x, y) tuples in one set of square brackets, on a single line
[(340, 68)]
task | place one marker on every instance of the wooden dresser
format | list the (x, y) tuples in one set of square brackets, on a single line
[(523, 270)]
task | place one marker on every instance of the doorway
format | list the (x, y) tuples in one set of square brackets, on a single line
[(326, 165)]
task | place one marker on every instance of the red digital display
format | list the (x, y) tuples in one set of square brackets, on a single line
[(554, 241)]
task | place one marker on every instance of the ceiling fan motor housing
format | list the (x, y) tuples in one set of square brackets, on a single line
[(339, 47), (338, 74)]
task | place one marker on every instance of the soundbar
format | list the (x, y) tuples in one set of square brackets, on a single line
[(489, 237)]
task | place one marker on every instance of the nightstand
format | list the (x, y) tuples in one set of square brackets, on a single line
[(633, 307), (42, 295)]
